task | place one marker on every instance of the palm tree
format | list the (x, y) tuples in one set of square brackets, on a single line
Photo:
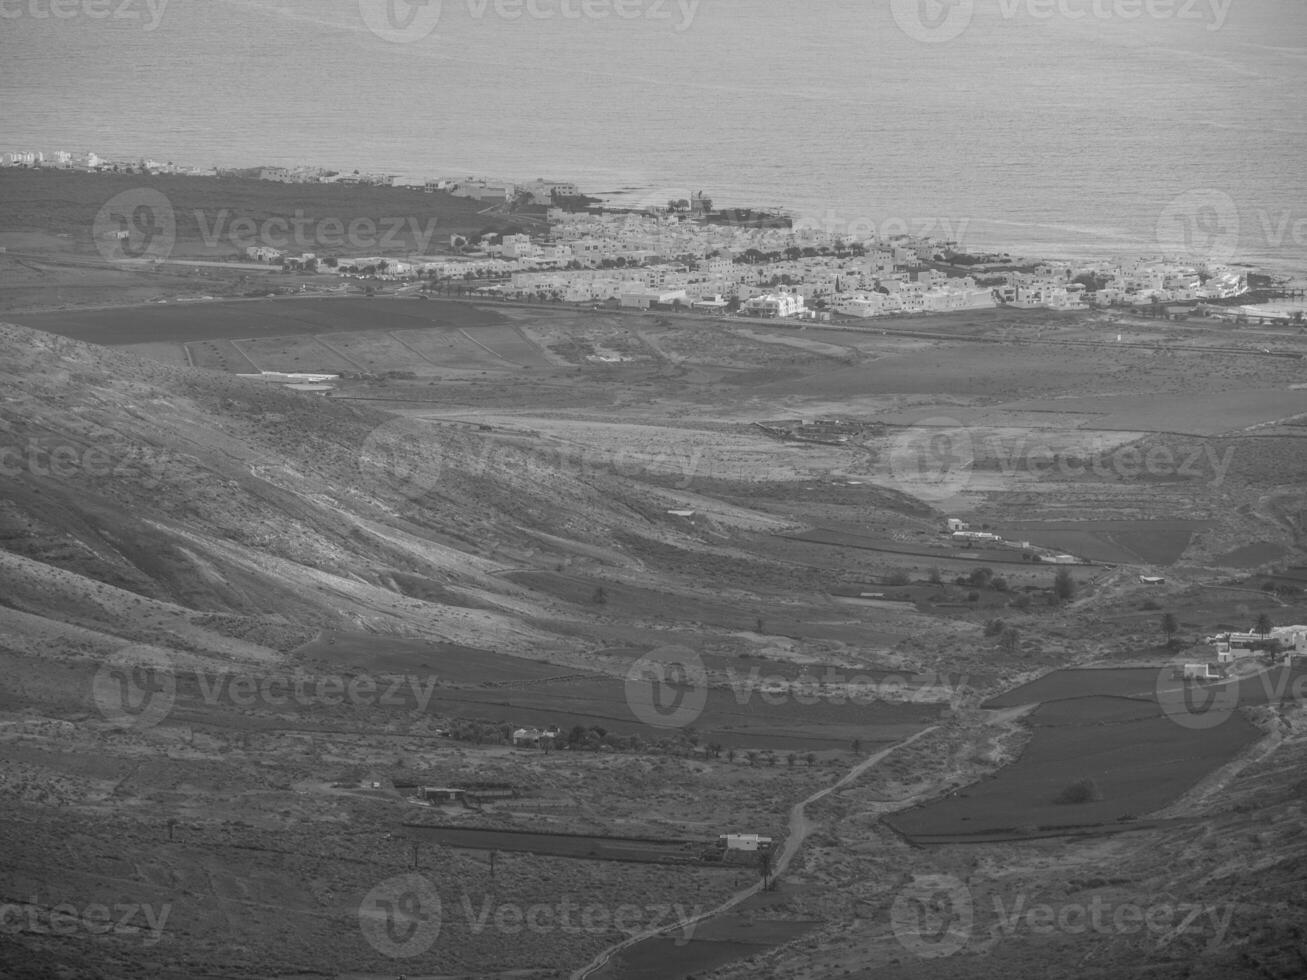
[(1264, 626), (1169, 625)]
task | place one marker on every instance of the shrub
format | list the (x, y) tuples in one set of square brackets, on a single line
[(1064, 586), (1010, 640), (1081, 791), (1022, 602), (995, 627), (1150, 605), (897, 578)]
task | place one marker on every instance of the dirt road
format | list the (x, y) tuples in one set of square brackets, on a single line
[(799, 829)]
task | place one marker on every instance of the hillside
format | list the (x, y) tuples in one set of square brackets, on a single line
[(137, 482), (212, 542)]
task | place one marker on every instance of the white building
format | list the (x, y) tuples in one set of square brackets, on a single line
[(262, 253), (744, 842), (785, 303), (641, 298), (862, 304), (542, 191)]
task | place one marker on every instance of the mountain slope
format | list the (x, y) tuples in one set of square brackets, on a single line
[(226, 496)]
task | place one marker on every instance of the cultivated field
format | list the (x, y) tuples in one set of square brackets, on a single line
[(602, 493), (1139, 759)]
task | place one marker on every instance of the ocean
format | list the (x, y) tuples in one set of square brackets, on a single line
[(1053, 127)]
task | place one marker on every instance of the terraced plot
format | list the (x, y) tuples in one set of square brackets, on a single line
[(449, 349), (293, 354)]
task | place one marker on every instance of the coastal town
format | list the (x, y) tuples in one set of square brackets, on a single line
[(684, 255)]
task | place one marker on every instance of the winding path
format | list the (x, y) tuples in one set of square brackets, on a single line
[(799, 829)]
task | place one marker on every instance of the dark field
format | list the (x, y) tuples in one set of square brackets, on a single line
[(1252, 555), (449, 662), (482, 685), (1063, 684), (598, 848), (985, 370), (1107, 725), (66, 201), (1143, 683), (725, 720), (1156, 542), (712, 943), (241, 319), (844, 539), (1140, 760)]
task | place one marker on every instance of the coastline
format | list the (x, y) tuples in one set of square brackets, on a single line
[(1078, 244), (212, 199)]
